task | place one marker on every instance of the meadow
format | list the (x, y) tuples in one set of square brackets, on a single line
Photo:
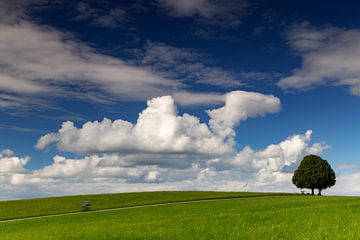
[(58, 205), (255, 216)]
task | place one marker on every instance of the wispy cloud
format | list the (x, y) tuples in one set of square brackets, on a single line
[(56, 64), (354, 166), (186, 65), (49, 59), (103, 15), (210, 16), (190, 66), (329, 57), (226, 13), (18, 128)]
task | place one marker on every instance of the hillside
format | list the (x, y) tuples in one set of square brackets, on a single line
[(56, 205), (252, 216)]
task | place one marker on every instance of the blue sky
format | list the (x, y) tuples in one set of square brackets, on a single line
[(269, 71)]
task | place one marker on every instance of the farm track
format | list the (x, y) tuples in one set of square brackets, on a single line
[(132, 207)]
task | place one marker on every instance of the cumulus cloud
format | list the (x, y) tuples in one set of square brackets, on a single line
[(329, 57), (10, 164), (274, 164), (6, 153), (347, 184), (239, 106), (103, 173), (269, 169), (159, 128), (276, 156)]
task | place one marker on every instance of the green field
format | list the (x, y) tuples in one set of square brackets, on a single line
[(255, 216)]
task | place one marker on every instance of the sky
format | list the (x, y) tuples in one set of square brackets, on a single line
[(123, 96)]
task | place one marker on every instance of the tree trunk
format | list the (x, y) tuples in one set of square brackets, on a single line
[(312, 191), (319, 192)]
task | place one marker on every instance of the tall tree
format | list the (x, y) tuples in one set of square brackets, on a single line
[(314, 173)]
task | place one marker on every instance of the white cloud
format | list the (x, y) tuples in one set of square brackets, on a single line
[(185, 64), (213, 19), (266, 178), (9, 101), (276, 156), (239, 106), (273, 165), (190, 66), (111, 17), (215, 12), (38, 62), (330, 56), (50, 58), (98, 170), (352, 166), (53, 63), (17, 128), (11, 11), (197, 98), (159, 128), (189, 8), (6, 153), (12, 164), (249, 170), (13, 103), (347, 185)]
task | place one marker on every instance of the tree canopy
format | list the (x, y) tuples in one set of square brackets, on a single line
[(314, 173)]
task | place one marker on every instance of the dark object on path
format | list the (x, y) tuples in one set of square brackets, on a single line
[(86, 205), (314, 173)]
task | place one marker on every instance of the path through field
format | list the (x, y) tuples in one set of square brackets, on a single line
[(130, 207)]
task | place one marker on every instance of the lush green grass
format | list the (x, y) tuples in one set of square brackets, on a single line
[(46, 206), (273, 217)]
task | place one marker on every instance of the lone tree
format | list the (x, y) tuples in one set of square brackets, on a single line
[(314, 173)]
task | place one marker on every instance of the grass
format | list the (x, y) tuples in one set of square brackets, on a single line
[(272, 217), (56, 205)]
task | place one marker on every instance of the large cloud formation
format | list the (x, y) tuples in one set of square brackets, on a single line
[(275, 163), (39, 61), (330, 56), (50, 58), (159, 128), (161, 151), (269, 169)]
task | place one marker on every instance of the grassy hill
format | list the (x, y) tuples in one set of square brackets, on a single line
[(56, 205), (254, 216)]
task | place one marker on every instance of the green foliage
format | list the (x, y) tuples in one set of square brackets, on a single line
[(314, 173), (274, 217)]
